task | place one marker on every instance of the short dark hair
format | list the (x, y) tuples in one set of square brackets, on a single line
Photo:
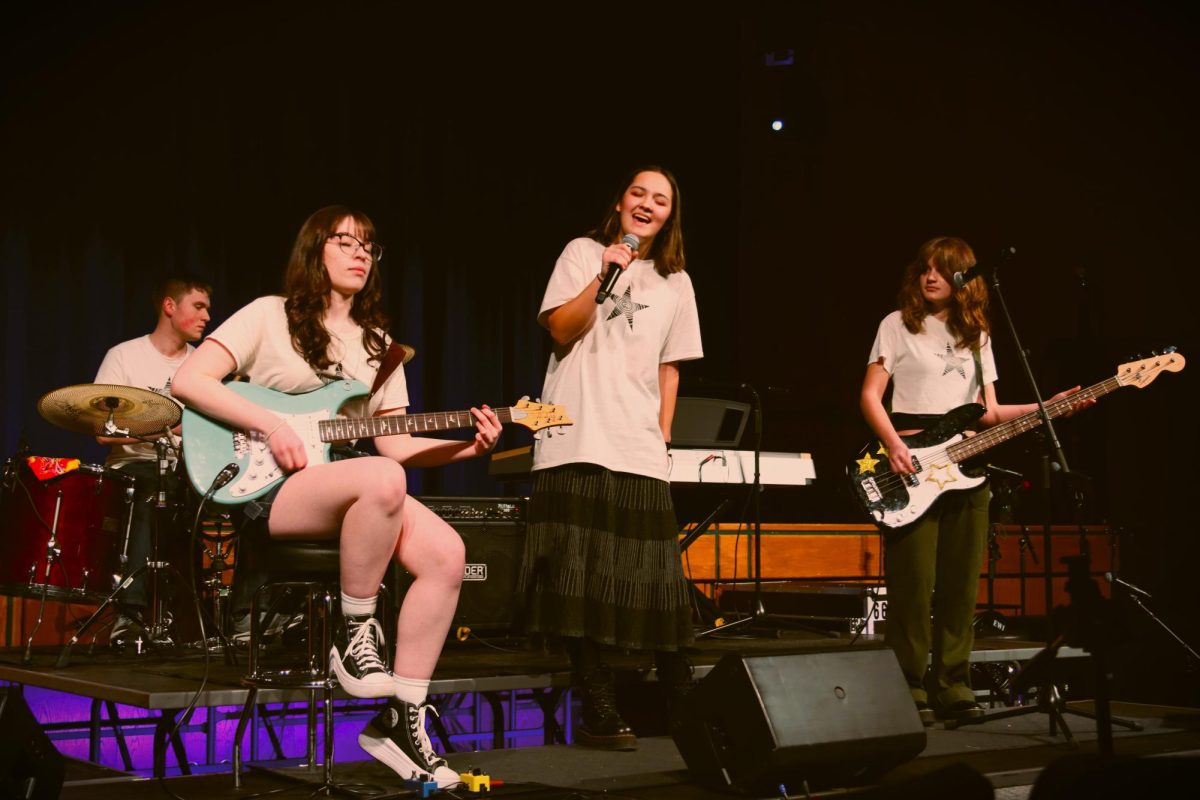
[(176, 286)]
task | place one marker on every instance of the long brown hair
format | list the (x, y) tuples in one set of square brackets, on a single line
[(306, 286), (967, 319), (667, 249)]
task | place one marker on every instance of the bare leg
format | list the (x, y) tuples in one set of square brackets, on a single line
[(364, 499), (434, 553), (359, 499)]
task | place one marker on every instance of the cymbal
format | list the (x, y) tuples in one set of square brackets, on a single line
[(85, 407)]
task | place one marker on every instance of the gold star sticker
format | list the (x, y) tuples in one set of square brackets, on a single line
[(941, 481), (866, 464), (882, 451)]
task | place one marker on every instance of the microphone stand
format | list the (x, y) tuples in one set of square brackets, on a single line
[(1132, 593), (1049, 700)]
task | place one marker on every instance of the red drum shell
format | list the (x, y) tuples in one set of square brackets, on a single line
[(86, 511)]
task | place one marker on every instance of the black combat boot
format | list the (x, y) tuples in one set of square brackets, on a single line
[(676, 675), (601, 726)]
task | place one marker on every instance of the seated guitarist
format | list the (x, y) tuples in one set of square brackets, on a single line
[(936, 351), (329, 326)]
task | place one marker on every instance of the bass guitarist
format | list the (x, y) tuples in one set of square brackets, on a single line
[(936, 352)]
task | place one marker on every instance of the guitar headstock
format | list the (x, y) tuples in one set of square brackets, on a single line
[(536, 416), (1142, 373)]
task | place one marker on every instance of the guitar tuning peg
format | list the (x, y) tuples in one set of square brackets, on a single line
[(524, 397)]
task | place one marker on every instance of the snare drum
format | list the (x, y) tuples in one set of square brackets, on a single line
[(62, 538)]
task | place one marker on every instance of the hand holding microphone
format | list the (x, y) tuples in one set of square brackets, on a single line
[(617, 260)]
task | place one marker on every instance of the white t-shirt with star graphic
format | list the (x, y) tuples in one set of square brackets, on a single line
[(608, 378), (930, 375)]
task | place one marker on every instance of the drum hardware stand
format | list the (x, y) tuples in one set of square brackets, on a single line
[(218, 558), (158, 626)]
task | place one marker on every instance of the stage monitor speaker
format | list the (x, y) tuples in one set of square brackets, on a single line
[(832, 718), (493, 530), (30, 765)]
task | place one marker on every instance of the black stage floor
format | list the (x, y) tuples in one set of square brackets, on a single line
[(1009, 753)]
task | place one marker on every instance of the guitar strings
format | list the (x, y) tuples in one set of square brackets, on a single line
[(966, 448)]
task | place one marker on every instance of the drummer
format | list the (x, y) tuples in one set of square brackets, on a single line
[(181, 303)]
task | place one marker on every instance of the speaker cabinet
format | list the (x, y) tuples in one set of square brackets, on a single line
[(30, 765), (493, 530), (834, 717)]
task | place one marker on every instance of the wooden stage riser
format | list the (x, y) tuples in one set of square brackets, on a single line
[(800, 552), (849, 554)]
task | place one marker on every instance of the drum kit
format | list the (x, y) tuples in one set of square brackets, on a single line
[(69, 523)]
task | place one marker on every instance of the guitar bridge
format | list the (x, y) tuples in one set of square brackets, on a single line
[(871, 490)]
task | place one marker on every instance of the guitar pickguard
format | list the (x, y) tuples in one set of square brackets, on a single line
[(258, 468)]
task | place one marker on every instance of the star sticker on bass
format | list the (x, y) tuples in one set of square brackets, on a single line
[(882, 451), (946, 477), (953, 363), (626, 306), (867, 464)]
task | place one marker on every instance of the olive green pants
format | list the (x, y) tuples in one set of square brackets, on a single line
[(932, 569)]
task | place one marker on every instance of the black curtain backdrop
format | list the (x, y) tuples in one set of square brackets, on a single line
[(141, 138)]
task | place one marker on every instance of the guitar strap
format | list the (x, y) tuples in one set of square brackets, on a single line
[(396, 355)]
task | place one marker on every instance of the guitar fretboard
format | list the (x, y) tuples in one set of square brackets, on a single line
[(341, 430), (974, 445)]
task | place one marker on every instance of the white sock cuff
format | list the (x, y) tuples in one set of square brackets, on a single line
[(358, 605), (411, 690)]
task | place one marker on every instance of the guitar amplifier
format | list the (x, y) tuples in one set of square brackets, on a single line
[(493, 530)]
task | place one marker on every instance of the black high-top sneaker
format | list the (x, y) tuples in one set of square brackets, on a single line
[(397, 737), (601, 726), (355, 658)]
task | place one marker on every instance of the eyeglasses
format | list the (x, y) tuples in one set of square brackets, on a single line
[(349, 243)]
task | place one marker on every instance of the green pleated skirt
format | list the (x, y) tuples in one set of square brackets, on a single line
[(602, 560)]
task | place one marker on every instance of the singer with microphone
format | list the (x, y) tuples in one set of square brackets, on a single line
[(330, 326), (601, 568), (936, 353), (181, 304)]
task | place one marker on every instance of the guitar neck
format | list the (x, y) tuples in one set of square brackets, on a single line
[(974, 445), (341, 430)]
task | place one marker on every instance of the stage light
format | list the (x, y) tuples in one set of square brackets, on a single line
[(777, 125)]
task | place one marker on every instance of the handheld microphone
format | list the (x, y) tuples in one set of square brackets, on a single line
[(614, 270), (1108, 576)]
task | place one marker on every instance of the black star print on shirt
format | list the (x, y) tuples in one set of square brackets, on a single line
[(626, 306), (953, 363)]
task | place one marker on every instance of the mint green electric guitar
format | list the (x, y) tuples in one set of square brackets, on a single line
[(210, 446)]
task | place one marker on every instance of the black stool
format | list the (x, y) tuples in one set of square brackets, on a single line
[(311, 568)]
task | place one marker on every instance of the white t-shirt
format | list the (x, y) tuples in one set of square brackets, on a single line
[(608, 378), (930, 375), (258, 339), (138, 363)]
